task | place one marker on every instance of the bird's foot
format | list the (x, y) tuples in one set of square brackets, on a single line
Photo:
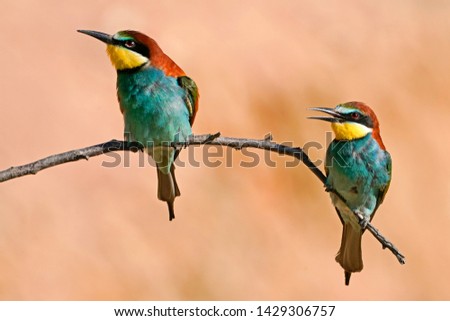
[(328, 188), (363, 220), (135, 146)]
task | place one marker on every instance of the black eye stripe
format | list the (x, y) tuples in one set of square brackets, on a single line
[(355, 115), (129, 44), (132, 45), (360, 119)]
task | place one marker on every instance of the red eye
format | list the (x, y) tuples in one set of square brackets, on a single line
[(354, 115), (130, 44)]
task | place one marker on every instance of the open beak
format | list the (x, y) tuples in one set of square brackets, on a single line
[(104, 37), (330, 111)]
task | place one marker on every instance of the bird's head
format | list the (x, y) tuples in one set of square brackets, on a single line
[(129, 50), (352, 120)]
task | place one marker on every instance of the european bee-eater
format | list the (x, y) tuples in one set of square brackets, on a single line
[(358, 168), (158, 101)]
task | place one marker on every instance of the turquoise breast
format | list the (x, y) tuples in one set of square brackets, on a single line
[(153, 106), (357, 170)]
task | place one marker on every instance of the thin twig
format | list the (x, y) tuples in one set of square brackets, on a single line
[(297, 152), (209, 139), (70, 156)]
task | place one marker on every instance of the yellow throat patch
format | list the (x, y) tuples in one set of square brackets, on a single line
[(349, 131), (122, 58)]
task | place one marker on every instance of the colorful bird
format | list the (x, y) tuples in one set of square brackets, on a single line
[(358, 168), (158, 101)]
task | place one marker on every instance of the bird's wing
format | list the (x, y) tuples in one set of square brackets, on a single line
[(191, 99), (384, 190), (192, 96)]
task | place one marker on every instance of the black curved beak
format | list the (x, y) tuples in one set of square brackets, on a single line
[(104, 37), (330, 111)]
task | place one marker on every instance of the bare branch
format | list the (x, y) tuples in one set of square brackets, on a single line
[(297, 152), (70, 156), (209, 139)]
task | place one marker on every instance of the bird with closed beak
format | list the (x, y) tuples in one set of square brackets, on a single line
[(158, 101)]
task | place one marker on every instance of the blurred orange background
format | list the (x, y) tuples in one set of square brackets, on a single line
[(82, 231)]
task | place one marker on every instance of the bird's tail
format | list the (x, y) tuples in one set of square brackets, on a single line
[(350, 253), (168, 189)]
